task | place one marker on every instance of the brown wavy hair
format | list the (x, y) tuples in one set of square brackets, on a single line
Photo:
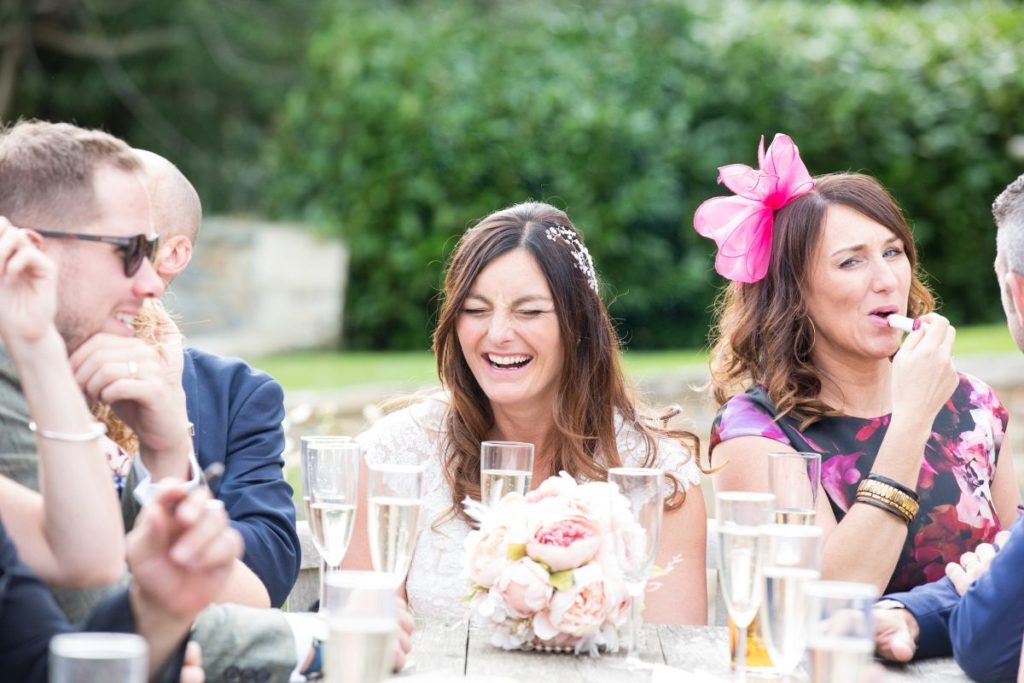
[(763, 335), (592, 386)]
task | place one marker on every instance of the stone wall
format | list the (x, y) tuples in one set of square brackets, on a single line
[(255, 288)]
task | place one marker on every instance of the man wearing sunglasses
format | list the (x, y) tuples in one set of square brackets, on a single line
[(134, 250), (85, 200)]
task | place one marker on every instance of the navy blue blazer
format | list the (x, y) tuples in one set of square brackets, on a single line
[(237, 413), (982, 630), (29, 617)]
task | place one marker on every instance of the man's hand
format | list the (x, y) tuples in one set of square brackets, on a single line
[(142, 383), (28, 287), (182, 550), (974, 564), (896, 633), (403, 642), (192, 665)]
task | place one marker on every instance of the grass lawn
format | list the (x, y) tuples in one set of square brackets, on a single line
[(338, 370)]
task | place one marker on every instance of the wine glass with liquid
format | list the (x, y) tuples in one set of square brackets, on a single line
[(790, 559), (332, 477), (643, 489), (362, 618), (840, 630), (795, 478), (740, 514), (394, 502), (505, 466)]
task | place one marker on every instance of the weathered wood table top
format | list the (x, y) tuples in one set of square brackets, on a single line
[(448, 653)]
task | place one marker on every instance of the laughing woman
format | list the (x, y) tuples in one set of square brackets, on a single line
[(916, 465), (526, 352)]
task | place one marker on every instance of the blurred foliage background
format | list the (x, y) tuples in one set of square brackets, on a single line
[(398, 124)]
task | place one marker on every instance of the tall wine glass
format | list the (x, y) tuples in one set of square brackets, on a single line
[(332, 477), (504, 466), (795, 479), (841, 632), (643, 489), (362, 616), (740, 514), (304, 444), (790, 559), (394, 494)]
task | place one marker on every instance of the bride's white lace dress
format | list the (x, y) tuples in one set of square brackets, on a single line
[(414, 435)]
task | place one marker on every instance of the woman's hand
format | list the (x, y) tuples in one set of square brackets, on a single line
[(923, 375), (403, 643)]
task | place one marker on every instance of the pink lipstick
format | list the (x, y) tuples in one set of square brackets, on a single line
[(902, 322)]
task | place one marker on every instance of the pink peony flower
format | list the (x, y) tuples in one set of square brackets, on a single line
[(578, 611), (525, 587), (486, 554), (567, 542)]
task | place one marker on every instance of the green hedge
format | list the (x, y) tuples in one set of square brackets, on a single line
[(415, 119)]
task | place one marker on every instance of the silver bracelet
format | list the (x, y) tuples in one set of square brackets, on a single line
[(98, 430)]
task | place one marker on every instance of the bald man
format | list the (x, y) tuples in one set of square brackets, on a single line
[(236, 412)]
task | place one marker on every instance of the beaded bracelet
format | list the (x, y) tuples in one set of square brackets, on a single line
[(890, 497), (877, 489), (907, 514), (895, 484), (97, 429)]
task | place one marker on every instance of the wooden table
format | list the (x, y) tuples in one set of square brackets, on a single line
[(702, 651)]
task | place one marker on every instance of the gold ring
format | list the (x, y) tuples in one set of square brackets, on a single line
[(133, 369)]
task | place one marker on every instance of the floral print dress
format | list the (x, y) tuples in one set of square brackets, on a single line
[(957, 512)]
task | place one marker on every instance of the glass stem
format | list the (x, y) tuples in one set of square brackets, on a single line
[(321, 605), (741, 652), (634, 628)]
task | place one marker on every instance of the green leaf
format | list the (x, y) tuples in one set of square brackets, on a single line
[(562, 580)]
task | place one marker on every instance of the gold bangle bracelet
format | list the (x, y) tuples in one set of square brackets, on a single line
[(907, 514), (910, 508), (889, 493)]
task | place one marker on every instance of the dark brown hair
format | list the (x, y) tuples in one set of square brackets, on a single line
[(763, 335), (46, 172), (592, 387)]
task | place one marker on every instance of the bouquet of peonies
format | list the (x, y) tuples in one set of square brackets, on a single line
[(544, 567)]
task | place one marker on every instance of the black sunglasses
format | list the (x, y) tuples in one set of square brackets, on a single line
[(133, 249)]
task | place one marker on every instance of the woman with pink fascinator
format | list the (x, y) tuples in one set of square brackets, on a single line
[(808, 355)]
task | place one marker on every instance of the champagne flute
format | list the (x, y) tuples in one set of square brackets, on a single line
[(394, 499), (304, 444), (332, 473), (795, 478), (841, 631), (505, 466), (643, 489), (740, 514), (362, 617), (790, 559)]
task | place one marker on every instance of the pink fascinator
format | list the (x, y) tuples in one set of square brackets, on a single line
[(741, 225)]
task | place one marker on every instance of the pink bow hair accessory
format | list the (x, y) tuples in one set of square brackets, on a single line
[(741, 225)]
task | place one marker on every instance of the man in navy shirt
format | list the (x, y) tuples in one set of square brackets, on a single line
[(983, 628)]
